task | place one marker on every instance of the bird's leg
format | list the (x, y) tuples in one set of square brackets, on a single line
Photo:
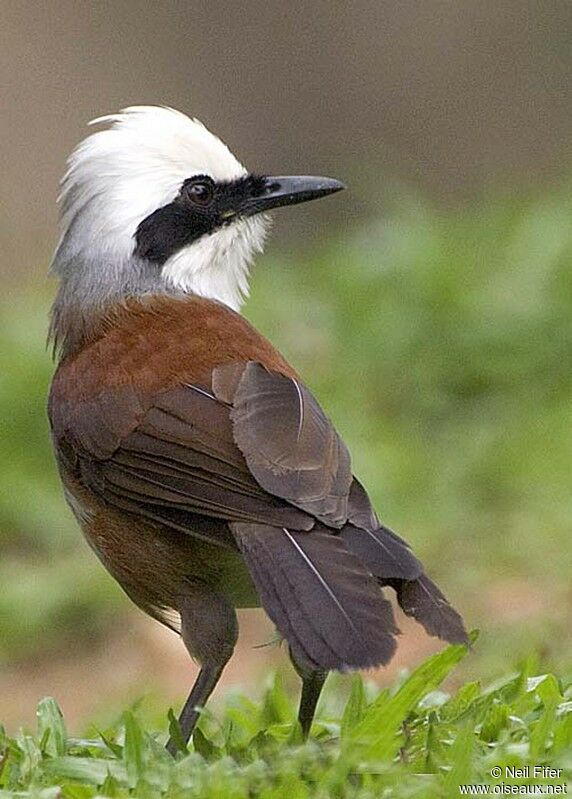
[(312, 684), (209, 629), (201, 690)]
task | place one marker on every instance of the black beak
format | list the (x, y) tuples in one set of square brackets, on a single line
[(272, 192)]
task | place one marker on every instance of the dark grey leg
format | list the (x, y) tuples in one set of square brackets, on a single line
[(204, 685), (312, 684), (209, 629)]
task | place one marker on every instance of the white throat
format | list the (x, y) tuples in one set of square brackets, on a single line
[(217, 266)]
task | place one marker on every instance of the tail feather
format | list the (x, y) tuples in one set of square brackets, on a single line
[(385, 554), (321, 598), (423, 601), (391, 561)]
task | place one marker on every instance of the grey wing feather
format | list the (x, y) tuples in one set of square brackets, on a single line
[(181, 463), (289, 444)]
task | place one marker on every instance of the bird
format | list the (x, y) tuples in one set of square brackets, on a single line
[(201, 469)]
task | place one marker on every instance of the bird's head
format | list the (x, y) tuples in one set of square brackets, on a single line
[(155, 202)]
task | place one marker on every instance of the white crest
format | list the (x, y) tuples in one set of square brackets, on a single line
[(118, 176)]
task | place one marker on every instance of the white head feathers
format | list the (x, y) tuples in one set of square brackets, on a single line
[(119, 176)]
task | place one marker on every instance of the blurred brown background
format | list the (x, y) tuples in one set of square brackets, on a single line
[(455, 102)]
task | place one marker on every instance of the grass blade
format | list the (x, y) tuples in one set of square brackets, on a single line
[(51, 727), (380, 727)]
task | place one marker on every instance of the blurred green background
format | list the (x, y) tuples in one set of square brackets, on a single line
[(429, 308)]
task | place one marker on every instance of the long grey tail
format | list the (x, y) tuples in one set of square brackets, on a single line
[(320, 596), (389, 559)]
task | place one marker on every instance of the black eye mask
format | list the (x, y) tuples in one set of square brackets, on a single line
[(201, 207)]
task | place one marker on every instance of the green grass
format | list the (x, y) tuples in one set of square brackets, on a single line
[(413, 740)]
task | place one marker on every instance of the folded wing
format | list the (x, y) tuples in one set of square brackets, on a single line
[(251, 461)]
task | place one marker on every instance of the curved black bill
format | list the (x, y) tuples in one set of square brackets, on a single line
[(290, 190)]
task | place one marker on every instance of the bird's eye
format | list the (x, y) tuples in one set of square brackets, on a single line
[(199, 192)]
